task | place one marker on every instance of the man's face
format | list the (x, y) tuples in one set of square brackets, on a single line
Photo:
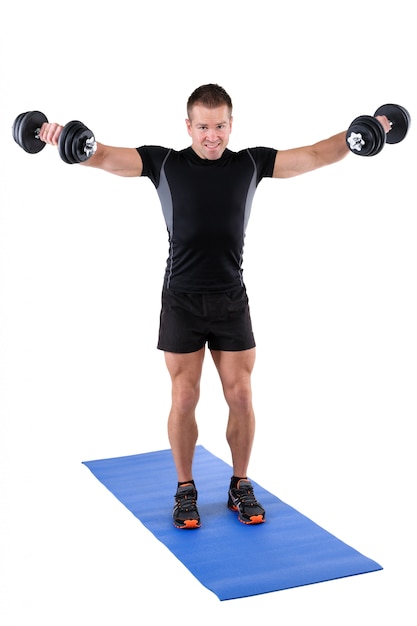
[(209, 130)]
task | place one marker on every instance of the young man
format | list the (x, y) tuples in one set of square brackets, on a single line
[(206, 192)]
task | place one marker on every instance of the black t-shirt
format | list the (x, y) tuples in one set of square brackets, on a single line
[(206, 206)]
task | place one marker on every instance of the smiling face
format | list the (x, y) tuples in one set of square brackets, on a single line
[(209, 130)]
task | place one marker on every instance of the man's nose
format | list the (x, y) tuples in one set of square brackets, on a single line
[(211, 133)]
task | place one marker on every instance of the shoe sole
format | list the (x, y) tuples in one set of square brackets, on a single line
[(189, 524)]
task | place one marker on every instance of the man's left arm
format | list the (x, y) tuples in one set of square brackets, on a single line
[(297, 161)]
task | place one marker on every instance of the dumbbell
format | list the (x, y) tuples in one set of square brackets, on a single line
[(366, 135), (76, 142)]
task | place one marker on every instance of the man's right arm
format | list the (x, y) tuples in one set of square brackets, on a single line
[(119, 161)]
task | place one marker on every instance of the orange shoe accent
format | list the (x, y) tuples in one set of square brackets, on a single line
[(255, 519), (190, 523)]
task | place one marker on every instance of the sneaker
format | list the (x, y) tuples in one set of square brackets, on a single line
[(242, 500), (185, 513)]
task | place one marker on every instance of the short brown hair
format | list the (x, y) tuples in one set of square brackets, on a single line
[(210, 96)]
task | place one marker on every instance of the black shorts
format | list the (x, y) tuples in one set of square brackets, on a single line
[(190, 320)]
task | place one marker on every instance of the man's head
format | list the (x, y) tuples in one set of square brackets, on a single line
[(210, 96), (209, 122)]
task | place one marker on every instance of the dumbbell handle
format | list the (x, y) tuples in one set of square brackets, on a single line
[(88, 146), (72, 148)]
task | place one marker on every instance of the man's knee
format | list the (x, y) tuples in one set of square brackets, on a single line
[(185, 396), (239, 396)]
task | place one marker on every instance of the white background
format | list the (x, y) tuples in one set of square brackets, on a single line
[(330, 265)]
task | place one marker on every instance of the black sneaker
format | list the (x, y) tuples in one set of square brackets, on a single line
[(242, 500), (185, 513)]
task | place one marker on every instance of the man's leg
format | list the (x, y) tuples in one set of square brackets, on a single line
[(185, 371), (235, 370)]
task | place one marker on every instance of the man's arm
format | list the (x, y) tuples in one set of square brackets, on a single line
[(119, 161), (298, 161)]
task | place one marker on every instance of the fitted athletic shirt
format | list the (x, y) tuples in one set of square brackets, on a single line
[(206, 205)]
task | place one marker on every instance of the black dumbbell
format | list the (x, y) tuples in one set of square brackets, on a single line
[(76, 142), (366, 135)]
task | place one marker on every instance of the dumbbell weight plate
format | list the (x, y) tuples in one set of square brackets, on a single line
[(65, 142), (25, 129), (379, 135), (79, 143), (400, 118), (372, 134), (72, 142), (16, 125)]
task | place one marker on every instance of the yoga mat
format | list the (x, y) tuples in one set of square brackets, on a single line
[(231, 559)]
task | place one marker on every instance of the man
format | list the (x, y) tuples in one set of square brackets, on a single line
[(206, 192)]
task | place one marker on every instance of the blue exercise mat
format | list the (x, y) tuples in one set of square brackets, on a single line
[(288, 550)]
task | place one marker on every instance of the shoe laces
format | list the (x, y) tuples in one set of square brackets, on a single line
[(186, 498), (246, 495)]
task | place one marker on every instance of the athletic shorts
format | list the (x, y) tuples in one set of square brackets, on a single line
[(190, 320)]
